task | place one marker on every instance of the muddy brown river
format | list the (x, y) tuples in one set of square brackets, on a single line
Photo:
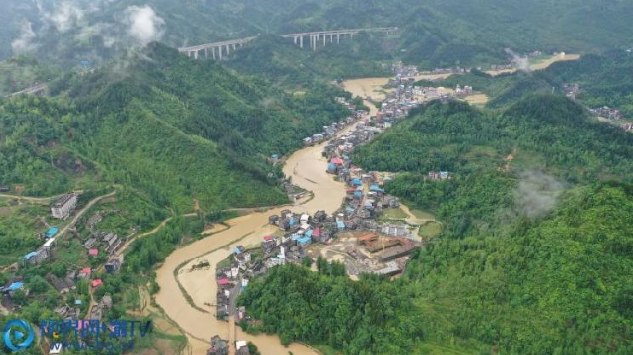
[(306, 167)]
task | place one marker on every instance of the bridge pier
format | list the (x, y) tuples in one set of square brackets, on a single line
[(300, 41)]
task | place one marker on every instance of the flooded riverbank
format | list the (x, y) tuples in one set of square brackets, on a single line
[(194, 311)]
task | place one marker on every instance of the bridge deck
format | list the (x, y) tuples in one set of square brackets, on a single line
[(320, 33)]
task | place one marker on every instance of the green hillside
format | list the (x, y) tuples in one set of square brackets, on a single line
[(172, 127)]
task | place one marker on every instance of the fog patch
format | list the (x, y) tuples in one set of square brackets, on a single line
[(522, 63), (144, 25), (26, 41), (537, 194), (66, 16)]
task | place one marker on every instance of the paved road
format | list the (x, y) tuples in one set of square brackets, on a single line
[(40, 200)]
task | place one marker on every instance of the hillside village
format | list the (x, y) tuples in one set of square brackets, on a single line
[(97, 244)]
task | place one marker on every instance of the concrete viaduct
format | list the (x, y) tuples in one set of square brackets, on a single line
[(217, 50)]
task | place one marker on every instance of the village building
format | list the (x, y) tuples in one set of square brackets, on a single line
[(62, 286), (84, 273), (242, 348), (395, 230), (218, 347), (114, 264), (64, 206)]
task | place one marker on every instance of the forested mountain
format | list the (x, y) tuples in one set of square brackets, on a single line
[(434, 32), (175, 128), (534, 257)]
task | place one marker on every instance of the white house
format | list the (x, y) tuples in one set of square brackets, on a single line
[(64, 206)]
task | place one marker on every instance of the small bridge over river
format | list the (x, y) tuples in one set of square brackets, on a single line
[(217, 50)]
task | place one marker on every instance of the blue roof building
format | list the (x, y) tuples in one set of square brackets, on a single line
[(375, 188), (331, 167), (309, 233), (358, 194), (292, 222), (357, 182), (303, 241), (31, 255), (340, 224), (51, 232), (15, 286)]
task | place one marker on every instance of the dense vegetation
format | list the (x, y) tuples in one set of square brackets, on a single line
[(362, 317), (534, 257)]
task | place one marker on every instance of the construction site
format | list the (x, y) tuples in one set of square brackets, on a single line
[(363, 252)]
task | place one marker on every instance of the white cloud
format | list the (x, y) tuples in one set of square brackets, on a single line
[(26, 41), (66, 16), (537, 193), (144, 25)]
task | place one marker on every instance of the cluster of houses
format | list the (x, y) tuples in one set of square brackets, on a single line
[(221, 347), (61, 209), (107, 241), (607, 112), (406, 96), (400, 70), (45, 251), (232, 279), (339, 148), (331, 130)]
